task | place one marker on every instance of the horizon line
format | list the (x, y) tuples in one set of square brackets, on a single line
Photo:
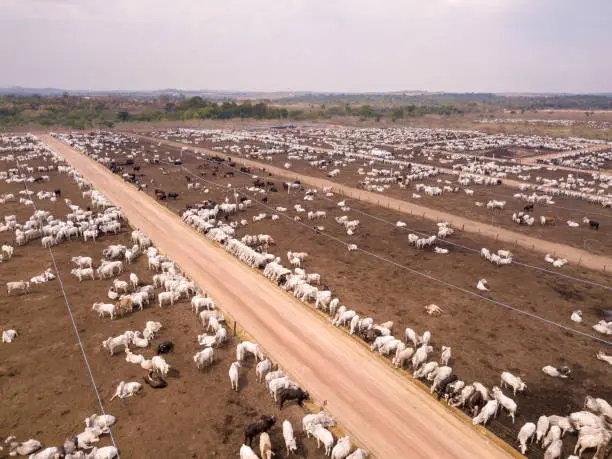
[(295, 91)]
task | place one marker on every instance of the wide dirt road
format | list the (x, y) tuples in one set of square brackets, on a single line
[(383, 411), (572, 254)]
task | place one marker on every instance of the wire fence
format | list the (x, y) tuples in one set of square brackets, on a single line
[(72, 320), (439, 241), (411, 270)]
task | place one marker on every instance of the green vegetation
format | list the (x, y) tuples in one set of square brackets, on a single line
[(465, 102), (198, 108), (75, 112), (103, 111)]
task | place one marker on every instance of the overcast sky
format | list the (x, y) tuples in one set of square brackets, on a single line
[(319, 45)]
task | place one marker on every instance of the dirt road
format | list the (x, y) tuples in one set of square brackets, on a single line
[(572, 254), (384, 411)]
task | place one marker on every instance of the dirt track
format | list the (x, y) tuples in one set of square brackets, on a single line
[(381, 409), (572, 254)]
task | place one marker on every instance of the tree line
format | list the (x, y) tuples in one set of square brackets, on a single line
[(81, 112)]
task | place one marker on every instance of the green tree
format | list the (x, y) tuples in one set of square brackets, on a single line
[(366, 111), (123, 116)]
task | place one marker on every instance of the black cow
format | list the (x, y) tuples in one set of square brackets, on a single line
[(370, 335), (173, 195), (444, 384), (528, 207), (285, 395), (165, 347), (475, 402), (264, 424), (594, 224), (154, 380)]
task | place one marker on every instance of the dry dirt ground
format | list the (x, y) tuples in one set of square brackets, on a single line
[(599, 242), (384, 409), (46, 390), (574, 254), (486, 339)]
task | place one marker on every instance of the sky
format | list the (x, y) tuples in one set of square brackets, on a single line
[(308, 45)]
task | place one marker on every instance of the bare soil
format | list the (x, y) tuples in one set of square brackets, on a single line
[(45, 387), (486, 338), (564, 209)]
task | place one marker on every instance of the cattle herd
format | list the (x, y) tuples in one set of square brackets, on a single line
[(397, 271)]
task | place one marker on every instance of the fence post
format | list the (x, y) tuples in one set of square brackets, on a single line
[(234, 328)]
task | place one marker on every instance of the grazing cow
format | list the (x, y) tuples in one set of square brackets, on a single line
[(292, 394), (444, 383)]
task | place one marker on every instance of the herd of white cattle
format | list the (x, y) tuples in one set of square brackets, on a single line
[(565, 123), (482, 403), (383, 169), (130, 294), (587, 160), (381, 179), (79, 446), (495, 398)]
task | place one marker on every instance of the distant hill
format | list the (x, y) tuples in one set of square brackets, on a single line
[(276, 95), (206, 94)]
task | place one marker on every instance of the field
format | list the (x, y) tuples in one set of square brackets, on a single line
[(46, 388), (565, 208), (390, 280)]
